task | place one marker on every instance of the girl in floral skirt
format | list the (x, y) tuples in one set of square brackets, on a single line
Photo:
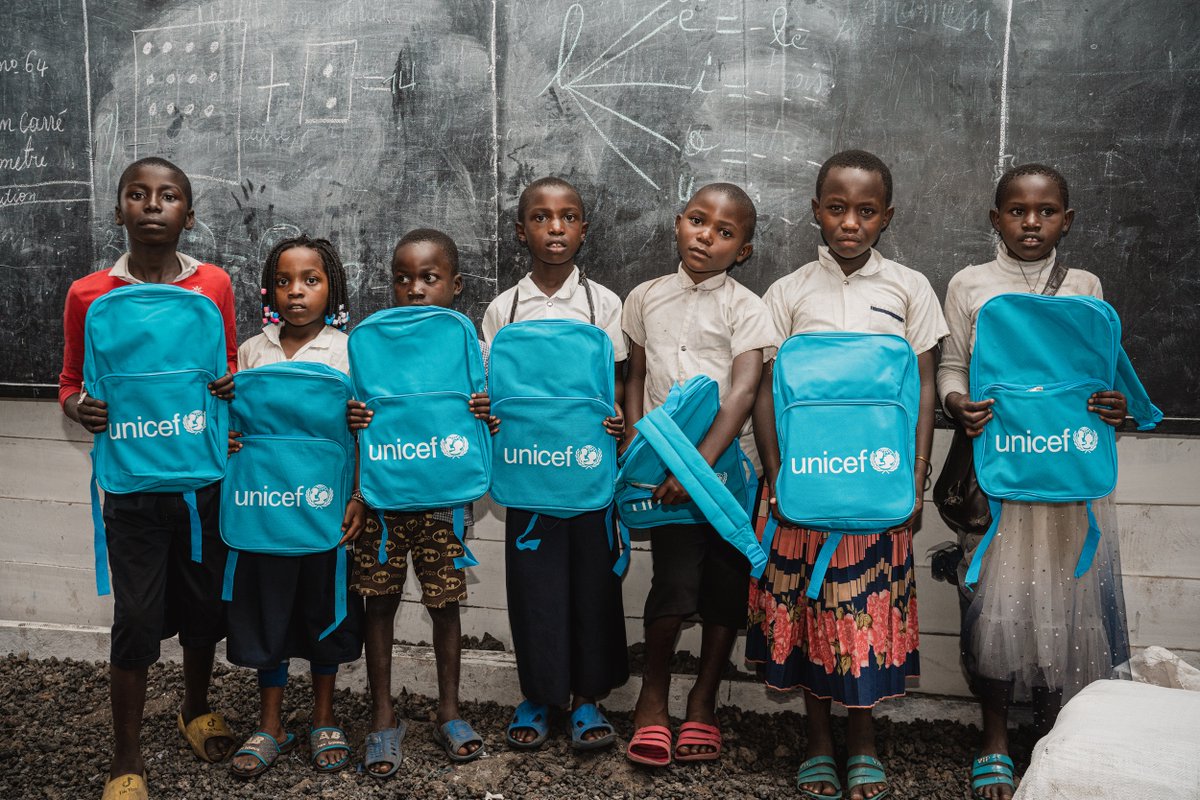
[(857, 642)]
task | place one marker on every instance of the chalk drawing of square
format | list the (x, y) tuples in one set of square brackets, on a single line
[(328, 82), (187, 88)]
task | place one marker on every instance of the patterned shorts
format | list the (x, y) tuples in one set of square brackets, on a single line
[(433, 546)]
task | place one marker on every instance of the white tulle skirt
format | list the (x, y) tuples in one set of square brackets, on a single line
[(1030, 621)]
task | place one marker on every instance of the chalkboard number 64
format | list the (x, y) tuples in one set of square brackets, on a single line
[(33, 63)]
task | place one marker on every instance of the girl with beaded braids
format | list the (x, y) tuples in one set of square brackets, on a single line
[(277, 599)]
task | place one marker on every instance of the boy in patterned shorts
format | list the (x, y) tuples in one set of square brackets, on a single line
[(424, 273)]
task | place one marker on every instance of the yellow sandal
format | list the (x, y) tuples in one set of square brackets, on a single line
[(126, 787), (201, 729)]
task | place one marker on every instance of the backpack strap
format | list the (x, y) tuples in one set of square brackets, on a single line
[(459, 516), (99, 539), (1088, 552), (817, 578), (383, 538), (523, 541), (231, 560), (189, 500), (587, 290), (1058, 274), (339, 592), (972, 577), (621, 565), (696, 475)]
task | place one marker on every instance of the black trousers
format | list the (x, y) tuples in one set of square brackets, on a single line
[(564, 607)]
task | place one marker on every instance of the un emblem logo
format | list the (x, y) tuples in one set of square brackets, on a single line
[(589, 456), (195, 421), (885, 460), (455, 446), (1086, 440), (319, 496)]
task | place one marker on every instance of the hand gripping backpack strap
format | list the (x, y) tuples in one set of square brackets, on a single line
[(696, 475), (339, 592), (976, 566), (459, 515), (99, 539)]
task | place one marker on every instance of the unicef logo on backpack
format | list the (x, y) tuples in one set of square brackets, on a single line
[(885, 460), (455, 446), (319, 496), (588, 456), (193, 422), (1086, 440)]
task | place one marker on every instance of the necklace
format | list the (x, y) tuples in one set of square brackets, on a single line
[(1037, 276)]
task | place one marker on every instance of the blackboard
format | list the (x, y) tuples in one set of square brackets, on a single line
[(364, 119)]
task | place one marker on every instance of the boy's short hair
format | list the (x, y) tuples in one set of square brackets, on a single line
[(549, 180), (437, 239), (857, 159), (1032, 169), (736, 195), (155, 161)]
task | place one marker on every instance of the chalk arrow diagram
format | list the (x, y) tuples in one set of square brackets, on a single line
[(580, 85)]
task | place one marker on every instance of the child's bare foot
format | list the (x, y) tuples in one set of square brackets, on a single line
[(448, 712), (703, 711), (995, 744), (248, 765), (860, 741), (216, 745)]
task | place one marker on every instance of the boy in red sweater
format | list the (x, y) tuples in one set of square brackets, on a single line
[(158, 590)]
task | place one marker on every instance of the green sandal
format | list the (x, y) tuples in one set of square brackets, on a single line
[(819, 769), (991, 770), (864, 770)]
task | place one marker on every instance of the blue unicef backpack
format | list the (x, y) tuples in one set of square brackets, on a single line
[(846, 409), (285, 491), (1040, 358), (150, 351), (722, 495), (416, 368), (551, 384)]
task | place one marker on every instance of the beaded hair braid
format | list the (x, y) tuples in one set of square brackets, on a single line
[(336, 312)]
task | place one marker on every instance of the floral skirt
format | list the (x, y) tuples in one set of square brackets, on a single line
[(857, 643)]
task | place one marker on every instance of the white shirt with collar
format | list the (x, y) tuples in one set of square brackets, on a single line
[(973, 286), (880, 297), (187, 268), (569, 302), (690, 329), (328, 347)]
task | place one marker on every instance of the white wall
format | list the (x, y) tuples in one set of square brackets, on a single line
[(46, 572)]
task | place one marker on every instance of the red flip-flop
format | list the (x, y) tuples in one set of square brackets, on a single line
[(651, 746), (698, 734)]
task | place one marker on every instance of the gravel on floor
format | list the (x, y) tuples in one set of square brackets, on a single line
[(55, 741)]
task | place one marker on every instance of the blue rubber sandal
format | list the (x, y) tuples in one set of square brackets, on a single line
[(324, 740), (454, 735), (589, 718), (534, 716), (266, 748), (865, 770), (991, 770), (819, 769), (383, 747)]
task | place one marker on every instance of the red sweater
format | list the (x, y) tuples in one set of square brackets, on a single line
[(211, 281)]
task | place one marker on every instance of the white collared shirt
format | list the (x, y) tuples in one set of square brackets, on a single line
[(187, 267), (569, 302), (690, 329), (880, 297), (327, 347), (973, 286)]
